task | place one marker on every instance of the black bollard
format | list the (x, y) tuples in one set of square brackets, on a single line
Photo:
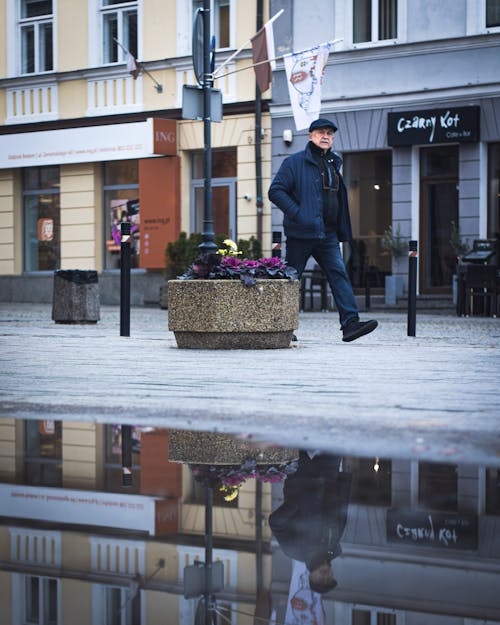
[(125, 279), (412, 287), (126, 455)]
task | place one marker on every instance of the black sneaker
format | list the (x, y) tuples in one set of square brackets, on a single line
[(358, 328)]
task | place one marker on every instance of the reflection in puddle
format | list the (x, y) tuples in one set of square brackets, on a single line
[(292, 536)]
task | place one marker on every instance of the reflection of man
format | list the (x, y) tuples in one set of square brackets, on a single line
[(311, 520)]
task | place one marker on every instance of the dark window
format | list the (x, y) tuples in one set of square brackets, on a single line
[(368, 178), (437, 486), (492, 13), (224, 164), (113, 460), (364, 14), (371, 480), (493, 491), (35, 26), (43, 453), (494, 190), (119, 24)]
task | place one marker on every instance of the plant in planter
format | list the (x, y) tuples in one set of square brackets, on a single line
[(182, 252), (397, 248), (224, 301)]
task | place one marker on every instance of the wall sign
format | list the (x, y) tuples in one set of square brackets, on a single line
[(432, 529), (448, 125)]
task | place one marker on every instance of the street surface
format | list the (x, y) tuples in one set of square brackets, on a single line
[(435, 396)]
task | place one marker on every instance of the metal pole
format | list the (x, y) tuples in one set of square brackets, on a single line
[(208, 555), (125, 279), (126, 455), (412, 287), (208, 236), (258, 139)]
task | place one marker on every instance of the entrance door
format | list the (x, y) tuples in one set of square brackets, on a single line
[(439, 208)]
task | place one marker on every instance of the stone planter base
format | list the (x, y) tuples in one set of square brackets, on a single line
[(226, 314), (76, 297)]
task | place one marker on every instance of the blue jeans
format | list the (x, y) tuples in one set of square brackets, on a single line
[(326, 252)]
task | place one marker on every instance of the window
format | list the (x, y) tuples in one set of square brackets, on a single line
[(40, 600), (493, 491), (121, 203), (119, 23), (220, 19), (35, 36), (492, 13), (41, 218), (374, 20), (372, 616), (437, 486), (43, 453), (371, 481), (121, 606), (113, 460), (368, 178), (493, 190)]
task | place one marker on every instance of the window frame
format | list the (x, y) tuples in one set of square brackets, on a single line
[(401, 20), (37, 23), (185, 15), (120, 10), (43, 599)]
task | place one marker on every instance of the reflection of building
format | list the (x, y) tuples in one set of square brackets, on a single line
[(421, 545), (413, 88), (77, 547), (79, 134)]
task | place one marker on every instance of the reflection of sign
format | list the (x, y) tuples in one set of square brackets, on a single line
[(453, 125), (432, 529), (45, 229), (47, 427)]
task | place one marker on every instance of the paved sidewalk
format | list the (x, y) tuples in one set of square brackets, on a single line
[(434, 396)]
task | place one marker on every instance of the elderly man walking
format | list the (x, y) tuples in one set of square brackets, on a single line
[(310, 191)]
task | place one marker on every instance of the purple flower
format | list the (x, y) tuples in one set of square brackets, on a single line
[(231, 262), (272, 263), (251, 264)]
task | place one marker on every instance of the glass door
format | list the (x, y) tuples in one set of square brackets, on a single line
[(223, 207), (438, 210)]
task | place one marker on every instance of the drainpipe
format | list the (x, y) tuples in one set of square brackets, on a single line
[(258, 138)]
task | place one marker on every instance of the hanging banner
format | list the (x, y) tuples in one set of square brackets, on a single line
[(304, 73)]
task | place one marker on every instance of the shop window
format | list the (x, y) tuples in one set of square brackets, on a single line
[(493, 491), (373, 616), (43, 453), (220, 11), (121, 203), (41, 224), (437, 486), (113, 460), (224, 171), (371, 480), (119, 23), (35, 36), (492, 13), (368, 178), (494, 188), (374, 20)]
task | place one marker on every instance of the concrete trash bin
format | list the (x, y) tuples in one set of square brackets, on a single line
[(76, 296)]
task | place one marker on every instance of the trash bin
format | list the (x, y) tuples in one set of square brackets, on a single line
[(76, 296)]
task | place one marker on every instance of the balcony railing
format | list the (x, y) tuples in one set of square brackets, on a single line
[(35, 103)]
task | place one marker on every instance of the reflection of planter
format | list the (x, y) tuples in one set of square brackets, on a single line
[(226, 314), (215, 448)]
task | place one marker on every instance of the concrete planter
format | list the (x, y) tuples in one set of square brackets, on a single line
[(226, 314), (76, 296)]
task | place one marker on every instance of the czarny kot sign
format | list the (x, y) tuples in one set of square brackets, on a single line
[(451, 125)]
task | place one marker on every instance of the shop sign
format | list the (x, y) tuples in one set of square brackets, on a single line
[(165, 136), (432, 529), (448, 125)]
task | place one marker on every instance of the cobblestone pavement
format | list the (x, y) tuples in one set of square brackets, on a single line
[(435, 396)]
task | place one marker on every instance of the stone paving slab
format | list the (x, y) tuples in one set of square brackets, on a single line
[(435, 396)]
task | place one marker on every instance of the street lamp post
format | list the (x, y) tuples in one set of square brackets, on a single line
[(208, 236)]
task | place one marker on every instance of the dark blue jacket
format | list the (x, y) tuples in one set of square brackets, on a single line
[(297, 191)]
